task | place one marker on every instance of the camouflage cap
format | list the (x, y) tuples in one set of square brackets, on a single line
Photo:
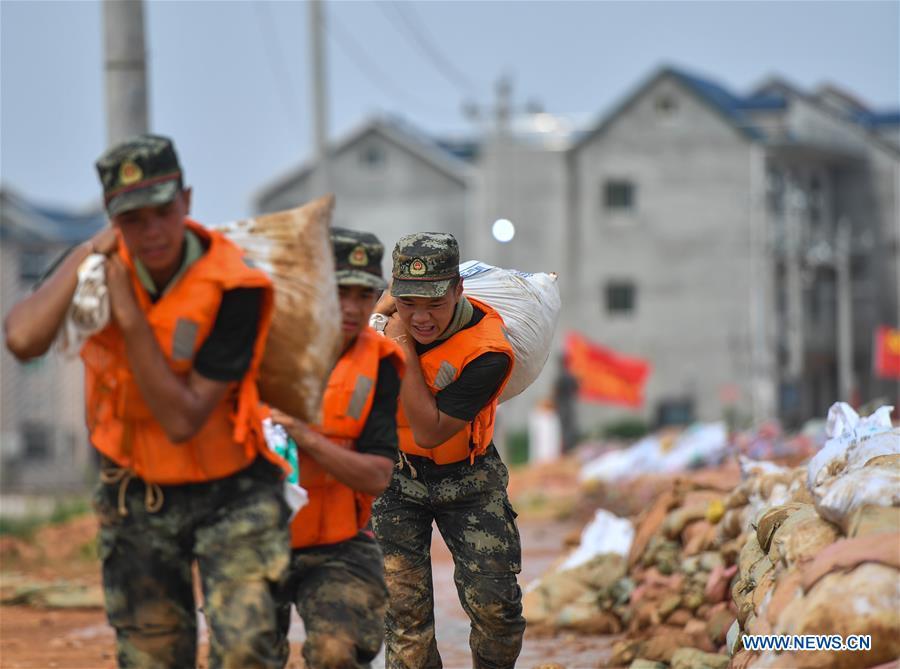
[(357, 258), (140, 172), (425, 264)]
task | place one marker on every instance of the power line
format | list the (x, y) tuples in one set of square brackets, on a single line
[(413, 27), (286, 90), (366, 65)]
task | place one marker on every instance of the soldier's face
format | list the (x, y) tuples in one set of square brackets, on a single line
[(357, 303), (426, 318), (155, 234)]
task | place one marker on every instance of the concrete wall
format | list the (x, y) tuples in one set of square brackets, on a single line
[(685, 246), (46, 395), (525, 183), (399, 195), (866, 192)]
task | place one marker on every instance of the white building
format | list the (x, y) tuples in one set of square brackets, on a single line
[(43, 440), (691, 226)]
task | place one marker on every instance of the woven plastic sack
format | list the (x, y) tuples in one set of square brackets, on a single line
[(293, 248), (529, 305)]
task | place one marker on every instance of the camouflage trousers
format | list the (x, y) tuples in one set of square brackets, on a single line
[(470, 506), (339, 592), (236, 530)]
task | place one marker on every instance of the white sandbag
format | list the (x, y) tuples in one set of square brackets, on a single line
[(853, 443), (606, 533), (529, 305), (293, 248), (89, 311), (843, 421), (641, 458), (700, 444), (751, 468), (869, 486)]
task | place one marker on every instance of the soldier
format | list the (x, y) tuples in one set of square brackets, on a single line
[(336, 576), (172, 407), (458, 362)]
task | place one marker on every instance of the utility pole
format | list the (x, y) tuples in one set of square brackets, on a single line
[(126, 69), (846, 378), (497, 169), (319, 95), (761, 267), (795, 201)]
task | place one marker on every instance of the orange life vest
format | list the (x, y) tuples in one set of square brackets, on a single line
[(336, 512), (441, 366), (120, 422)]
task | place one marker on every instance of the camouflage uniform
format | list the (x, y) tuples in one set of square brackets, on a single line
[(236, 529), (150, 534), (470, 506), (340, 594), (468, 502), (339, 588)]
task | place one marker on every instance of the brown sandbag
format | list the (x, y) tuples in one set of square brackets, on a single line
[(585, 618), (848, 553), (801, 537), (873, 519), (732, 524), (753, 562), (641, 663), (679, 616), (772, 519), (293, 247), (788, 588), (691, 658), (665, 642), (865, 600), (719, 623), (679, 518), (717, 584), (558, 589), (649, 525), (743, 659)]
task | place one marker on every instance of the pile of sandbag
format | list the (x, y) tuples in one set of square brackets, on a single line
[(813, 549), (586, 591), (681, 568), (827, 559), (667, 589), (700, 445)]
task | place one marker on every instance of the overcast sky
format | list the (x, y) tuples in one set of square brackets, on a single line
[(229, 80)]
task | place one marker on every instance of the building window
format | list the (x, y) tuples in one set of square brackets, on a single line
[(36, 439), (775, 192), (372, 157), (32, 265), (675, 412), (665, 106), (618, 195), (620, 297), (815, 201)]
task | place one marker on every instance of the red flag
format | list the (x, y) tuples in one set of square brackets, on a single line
[(604, 375), (887, 353)]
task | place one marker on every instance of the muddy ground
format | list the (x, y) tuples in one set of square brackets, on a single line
[(33, 637)]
